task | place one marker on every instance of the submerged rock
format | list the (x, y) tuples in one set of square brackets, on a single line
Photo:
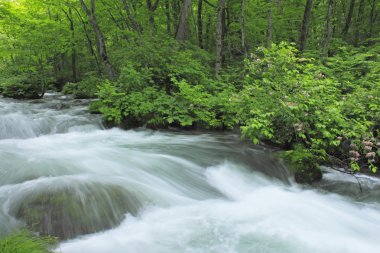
[(68, 213)]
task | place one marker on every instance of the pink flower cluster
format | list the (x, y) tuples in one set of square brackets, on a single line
[(370, 154), (354, 155)]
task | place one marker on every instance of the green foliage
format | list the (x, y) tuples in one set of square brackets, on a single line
[(290, 100), (189, 106), (22, 86), (25, 242), (304, 163), (86, 88)]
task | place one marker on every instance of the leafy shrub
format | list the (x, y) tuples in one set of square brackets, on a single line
[(190, 106), (22, 87), (86, 88), (289, 100)]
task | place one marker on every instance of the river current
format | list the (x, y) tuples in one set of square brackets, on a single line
[(181, 192)]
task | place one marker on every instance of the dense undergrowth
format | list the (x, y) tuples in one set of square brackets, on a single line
[(319, 113)]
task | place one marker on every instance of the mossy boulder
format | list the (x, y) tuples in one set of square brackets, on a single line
[(70, 212)]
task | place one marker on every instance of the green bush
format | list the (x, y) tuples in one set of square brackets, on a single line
[(86, 88), (189, 106), (22, 87), (288, 100)]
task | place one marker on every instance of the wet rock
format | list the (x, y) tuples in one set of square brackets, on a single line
[(68, 213), (358, 186)]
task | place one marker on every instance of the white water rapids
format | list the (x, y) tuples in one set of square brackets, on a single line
[(197, 192)]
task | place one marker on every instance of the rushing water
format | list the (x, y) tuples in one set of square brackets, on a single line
[(164, 192)]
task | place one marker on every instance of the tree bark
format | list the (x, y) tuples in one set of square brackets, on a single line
[(279, 6), (349, 17), (328, 32), (305, 23), (219, 36), (168, 18), (183, 30), (176, 14), (131, 17), (372, 19), (101, 43), (359, 19), (151, 9), (242, 27), (73, 49), (270, 24), (200, 23), (89, 42)]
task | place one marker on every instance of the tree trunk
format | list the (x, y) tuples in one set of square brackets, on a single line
[(200, 24), (89, 42), (151, 9), (279, 6), (219, 36), (73, 49), (305, 23), (270, 24), (372, 19), (131, 17), (359, 19), (349, 17), (328, 32), (101, 44), (175, 13), (168, 18), (242, 27), (183, 30)]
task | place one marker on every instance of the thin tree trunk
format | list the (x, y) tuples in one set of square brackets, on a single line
[(219, 36), (131, 17), (168, 18), (101, 44), (328, 32), (89, 42), (358, 21), (270, 24), (242, 27), (372, 19), (183, 30), (349, 18), (200, 24), (208, 33), (305, 23), (151, 9), (175, 13), (279, 6), (73, 49)]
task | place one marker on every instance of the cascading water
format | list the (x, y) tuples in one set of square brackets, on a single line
[(105, 191)]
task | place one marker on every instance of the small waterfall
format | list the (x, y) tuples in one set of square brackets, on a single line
[(20, 120)]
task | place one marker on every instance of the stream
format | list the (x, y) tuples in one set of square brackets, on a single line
[(142, 191)]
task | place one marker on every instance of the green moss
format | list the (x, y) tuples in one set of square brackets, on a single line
[(26, 242)]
